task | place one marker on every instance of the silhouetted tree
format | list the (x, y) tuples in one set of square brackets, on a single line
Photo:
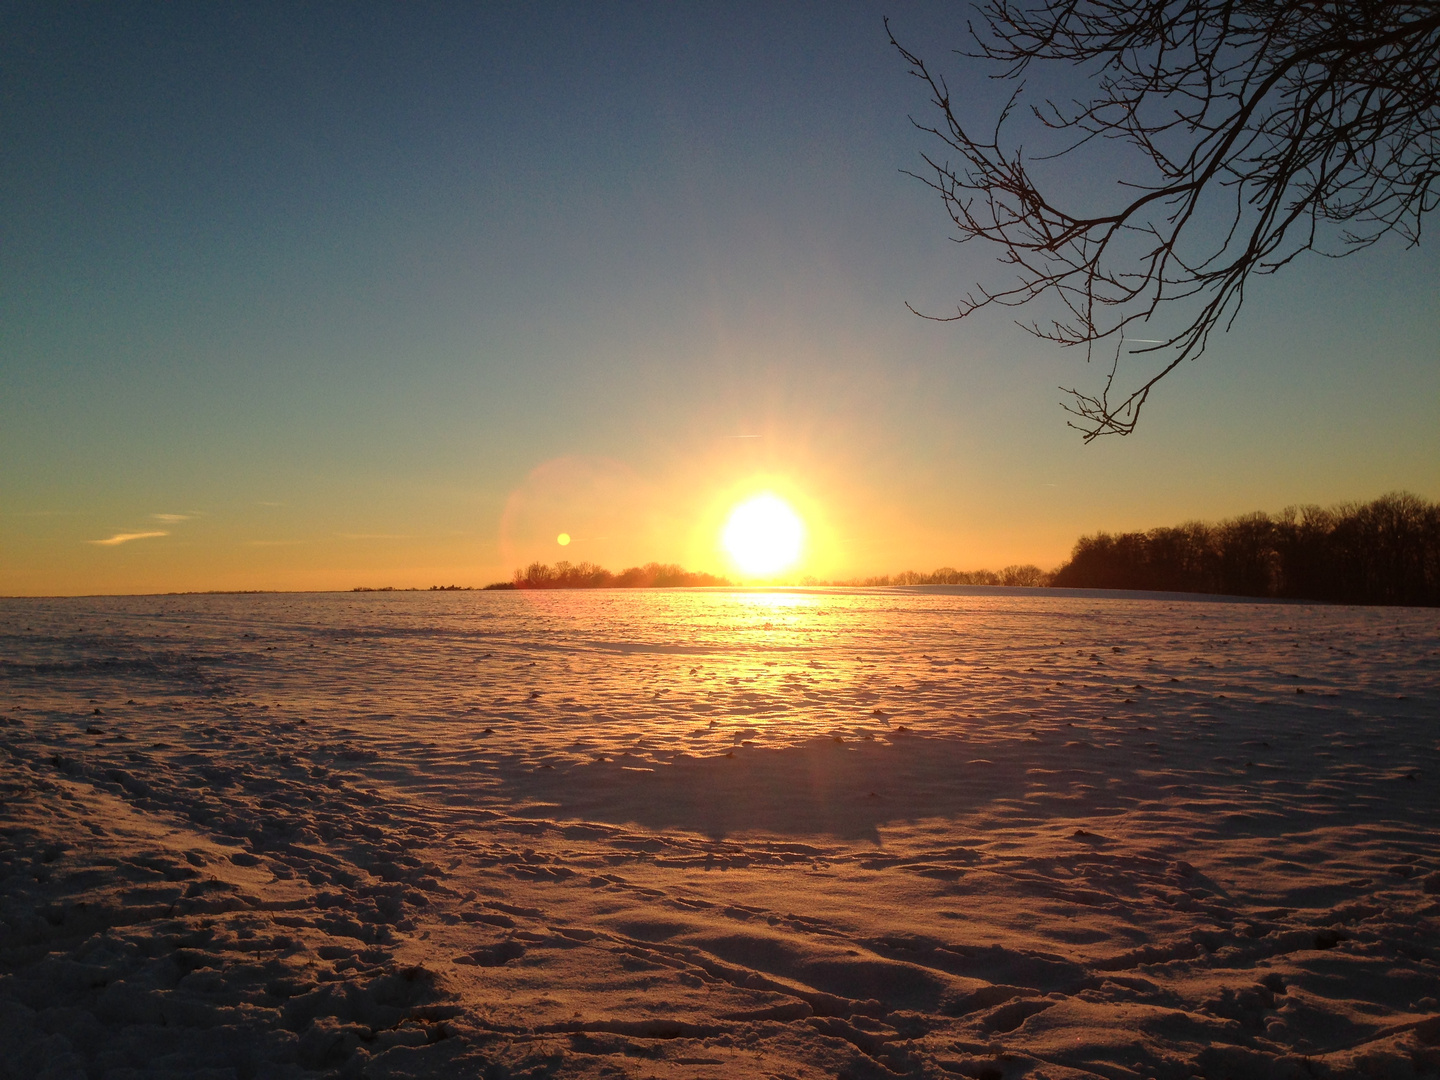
[(1381, 552), (1027, 575), (587, 575), (1298, 124), (1247, 556), (1306, 546), (1183, 559)]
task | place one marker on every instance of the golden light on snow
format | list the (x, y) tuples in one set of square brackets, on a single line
[(563, 539), (763, 535)]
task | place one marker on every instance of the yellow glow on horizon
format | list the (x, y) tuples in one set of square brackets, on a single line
[(764, 535)]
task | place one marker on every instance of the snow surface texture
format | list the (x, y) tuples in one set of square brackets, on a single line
[(823, 833)]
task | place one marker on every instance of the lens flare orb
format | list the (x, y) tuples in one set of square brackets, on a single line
[(763, 535)]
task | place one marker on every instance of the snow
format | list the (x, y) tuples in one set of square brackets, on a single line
[(810, 833)]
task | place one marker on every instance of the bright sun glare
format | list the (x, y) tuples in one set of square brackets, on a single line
[(763, 535)]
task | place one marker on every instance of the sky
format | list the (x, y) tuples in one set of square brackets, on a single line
[(317, 296)]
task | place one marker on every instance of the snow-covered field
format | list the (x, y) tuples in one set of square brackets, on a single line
[(923, 832)]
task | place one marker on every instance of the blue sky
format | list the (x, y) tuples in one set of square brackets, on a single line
[(335, 295)]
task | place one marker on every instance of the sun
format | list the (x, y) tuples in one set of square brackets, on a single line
[(763, 535)]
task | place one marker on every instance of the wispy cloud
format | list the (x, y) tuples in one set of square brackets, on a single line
[(125, 538), (171, 519)]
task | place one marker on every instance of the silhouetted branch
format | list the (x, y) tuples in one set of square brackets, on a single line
[(1297, 119)]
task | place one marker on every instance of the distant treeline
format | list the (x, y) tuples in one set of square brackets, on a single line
[(584, 575), (1027, 575), (1382, 552), (414, 588), (564, 575)]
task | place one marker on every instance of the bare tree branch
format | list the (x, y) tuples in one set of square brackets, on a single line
[(1303, 122)]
